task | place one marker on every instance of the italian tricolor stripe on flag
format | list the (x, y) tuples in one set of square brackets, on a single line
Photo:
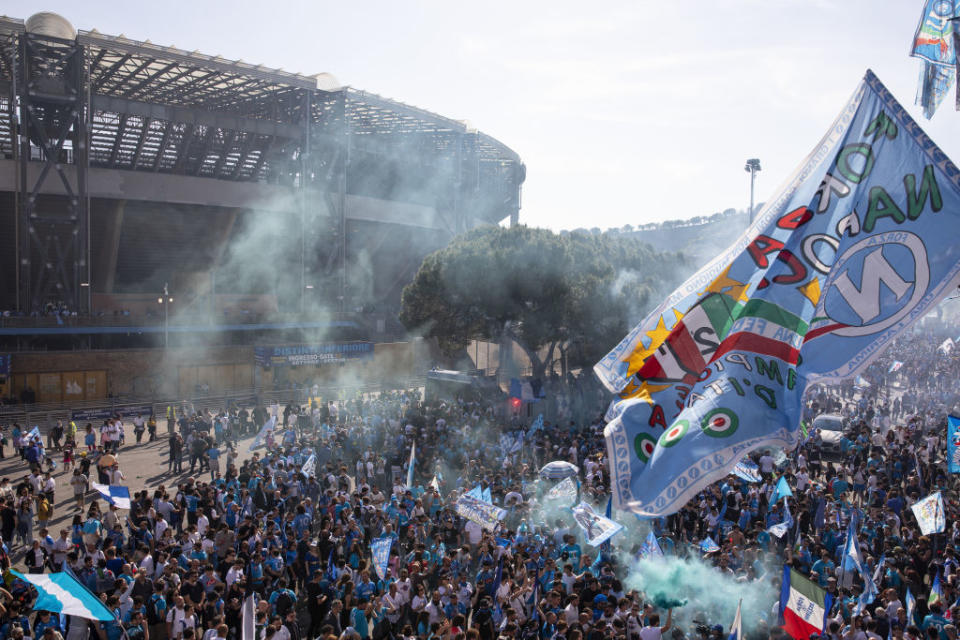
[(803, 605)]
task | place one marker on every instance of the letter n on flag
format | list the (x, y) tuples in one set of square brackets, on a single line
[(803, 605)]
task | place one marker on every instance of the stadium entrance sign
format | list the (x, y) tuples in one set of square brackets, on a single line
[(312, 354)]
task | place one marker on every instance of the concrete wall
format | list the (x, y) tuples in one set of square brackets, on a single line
[(176, 372)]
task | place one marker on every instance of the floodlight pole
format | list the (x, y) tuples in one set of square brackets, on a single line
[(752, 167)]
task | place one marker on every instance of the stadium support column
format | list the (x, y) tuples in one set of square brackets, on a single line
[(53, 232), (305, 180), (342, 197)]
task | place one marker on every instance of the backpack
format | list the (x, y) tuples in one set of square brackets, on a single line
[(283, 603), (156, 609)]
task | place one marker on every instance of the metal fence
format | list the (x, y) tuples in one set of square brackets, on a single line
[(46, 415)]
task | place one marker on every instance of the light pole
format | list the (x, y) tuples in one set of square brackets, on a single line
[(752, 167), (165, 301)]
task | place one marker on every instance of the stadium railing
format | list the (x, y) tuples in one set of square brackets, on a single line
[(45, 415)]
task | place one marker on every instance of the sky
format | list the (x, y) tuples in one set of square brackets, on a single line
[(623, 112)]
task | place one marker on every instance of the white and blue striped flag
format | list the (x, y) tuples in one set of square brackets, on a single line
[(34, 433), (114, 494), (61, 593), (736, 629)]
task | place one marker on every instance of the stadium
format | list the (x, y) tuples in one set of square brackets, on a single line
[(154, 197)]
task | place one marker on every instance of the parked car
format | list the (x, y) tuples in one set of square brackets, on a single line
[(831, 428)]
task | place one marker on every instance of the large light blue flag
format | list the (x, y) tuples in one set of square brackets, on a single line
[(476, 492), (380, 549), (488, 495), (61, 593), (597, 529), (260, 438), (953, 444), (857, 245), (911, 603)]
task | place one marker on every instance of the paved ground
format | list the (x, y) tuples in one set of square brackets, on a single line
[(144, 465)]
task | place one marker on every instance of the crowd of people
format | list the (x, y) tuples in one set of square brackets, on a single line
[(293, 522)]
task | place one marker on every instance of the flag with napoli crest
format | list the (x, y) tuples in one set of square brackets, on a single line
[(856, 245)]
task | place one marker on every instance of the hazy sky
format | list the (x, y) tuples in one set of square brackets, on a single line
[(624, 112)]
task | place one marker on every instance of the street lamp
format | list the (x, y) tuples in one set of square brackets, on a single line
[(752, 167), (165, 300)]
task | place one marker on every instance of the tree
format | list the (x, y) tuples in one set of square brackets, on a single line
[(578, 291)]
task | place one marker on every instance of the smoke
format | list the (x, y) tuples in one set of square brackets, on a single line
[(676, 581), (635, 289)]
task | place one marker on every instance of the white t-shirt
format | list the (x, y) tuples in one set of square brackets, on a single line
[(650, 633), (474, 532)]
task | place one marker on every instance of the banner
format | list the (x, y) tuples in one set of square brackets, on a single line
[(125, 413), (380, 548), (953, 444), (933, 40), (483, 513), (930, 515), (312, 354), (855, 247), (309, 468), (747, 470), (597, 529), (565, 490)]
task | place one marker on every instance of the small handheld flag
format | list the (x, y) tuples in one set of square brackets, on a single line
[(651, 547), (936, 592), (736, 629), (411, 464), (781, 490), (114, 494), (707, 545)]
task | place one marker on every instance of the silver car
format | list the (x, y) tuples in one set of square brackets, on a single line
[(831, 433)]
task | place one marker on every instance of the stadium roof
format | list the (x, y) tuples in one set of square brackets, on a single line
[(122, 69)]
